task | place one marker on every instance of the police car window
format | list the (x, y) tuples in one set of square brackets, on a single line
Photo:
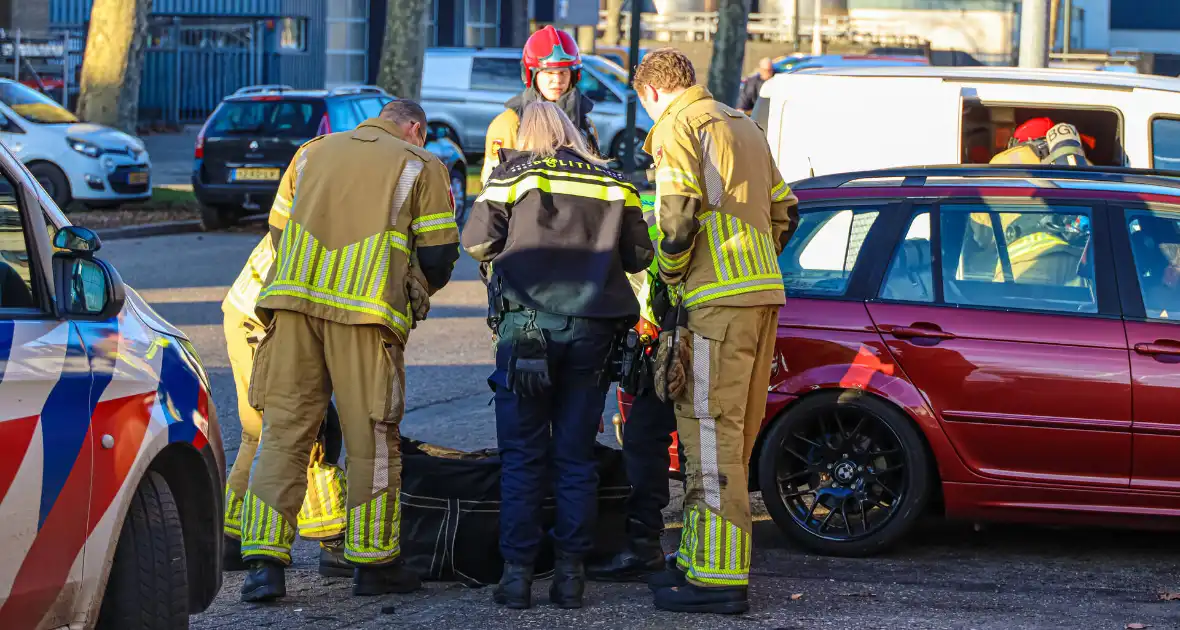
[(16, 285), (1018, 257), (495, 74), (820, 257), (1165, 144), (1155, 246)]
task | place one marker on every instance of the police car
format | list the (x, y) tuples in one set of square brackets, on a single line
[(110, 454)]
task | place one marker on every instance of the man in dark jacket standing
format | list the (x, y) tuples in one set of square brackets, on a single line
[(753, 85)]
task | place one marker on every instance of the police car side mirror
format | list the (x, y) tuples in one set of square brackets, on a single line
[(87, 288)]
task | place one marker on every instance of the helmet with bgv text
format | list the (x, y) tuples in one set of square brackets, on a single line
[(550, 49)]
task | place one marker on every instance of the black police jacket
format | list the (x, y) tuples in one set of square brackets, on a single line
[(561, 234)]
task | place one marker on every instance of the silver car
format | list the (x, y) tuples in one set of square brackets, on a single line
[(463, 89)]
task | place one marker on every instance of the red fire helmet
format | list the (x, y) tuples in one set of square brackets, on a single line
[(550, 49)]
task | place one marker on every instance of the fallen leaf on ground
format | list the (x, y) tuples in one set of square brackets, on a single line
[(1167, 597), (797, 596), (1136, 626)]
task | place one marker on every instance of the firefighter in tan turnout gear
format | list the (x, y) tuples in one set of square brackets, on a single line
[(725, 214), (355, 209), (322, 517)]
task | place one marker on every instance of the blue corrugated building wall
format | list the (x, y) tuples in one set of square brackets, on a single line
[(202, 50)]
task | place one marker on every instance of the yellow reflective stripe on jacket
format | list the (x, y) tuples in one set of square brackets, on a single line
[(433, 222), (668, 175), (509, 193), (673, 262), (351, 278), (780, 192), (281, 206), (243, 295), (744, 259)]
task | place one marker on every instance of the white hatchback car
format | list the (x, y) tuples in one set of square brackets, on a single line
[(96, 165)]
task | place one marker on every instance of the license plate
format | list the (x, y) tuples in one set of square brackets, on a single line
[(136, 179), (255, 174)]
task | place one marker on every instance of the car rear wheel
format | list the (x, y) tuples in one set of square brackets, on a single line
[(148, 585), (214, 217), (54, 181), (459, 192), (844, 474), (642, 160)]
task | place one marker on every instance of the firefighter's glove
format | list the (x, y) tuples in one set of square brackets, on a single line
[(416, 286), (673, 362), (528, 369)]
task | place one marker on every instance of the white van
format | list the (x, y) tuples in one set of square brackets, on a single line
[(851, 119)]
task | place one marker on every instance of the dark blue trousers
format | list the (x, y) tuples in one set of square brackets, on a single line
[(548, 442), (646, 439)]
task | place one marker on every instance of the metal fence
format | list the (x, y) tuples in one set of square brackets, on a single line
[(771, 27)]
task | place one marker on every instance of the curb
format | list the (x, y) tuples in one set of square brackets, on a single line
[(150, 229)]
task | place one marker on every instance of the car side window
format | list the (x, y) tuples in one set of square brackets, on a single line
[(495, 74), (911, 272), (1018, 257), (595, 90), (343, 115), (17, 289), (819, 259), (370, 107), (1165, 144), (1155, 246)]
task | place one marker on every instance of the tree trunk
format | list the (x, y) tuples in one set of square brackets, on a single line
[(729, 50), (404, 47), (113, 63), (614, 22)]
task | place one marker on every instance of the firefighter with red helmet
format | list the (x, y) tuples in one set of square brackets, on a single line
[(550, 68)]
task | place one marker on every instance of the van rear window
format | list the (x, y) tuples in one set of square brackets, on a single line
[(288, 119)]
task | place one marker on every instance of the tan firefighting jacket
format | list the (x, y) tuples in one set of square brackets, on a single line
[(723, 209), (502, 135), (243, 295), (351, 210)]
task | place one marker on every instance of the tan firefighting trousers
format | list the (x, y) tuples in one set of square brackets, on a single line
[(718, 416), (322, 515), (299, 364)]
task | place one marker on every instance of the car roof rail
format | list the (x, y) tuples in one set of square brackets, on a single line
[(357, 89), (261, 89), (917, 175)]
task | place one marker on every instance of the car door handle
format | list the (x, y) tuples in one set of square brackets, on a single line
[(1161, 347), (924, 331)]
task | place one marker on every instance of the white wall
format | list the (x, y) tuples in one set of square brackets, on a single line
[(976, 32), (1097, 28)]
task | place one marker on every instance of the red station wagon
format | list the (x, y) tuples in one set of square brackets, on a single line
[(1003, 342)]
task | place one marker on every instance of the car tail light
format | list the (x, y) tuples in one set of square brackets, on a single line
[(199, 150), (267, 98), (325, 126)]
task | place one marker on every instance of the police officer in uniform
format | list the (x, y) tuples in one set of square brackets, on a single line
[(646, 438), (551, 66), (558, 275), (322, 516), (724, 216), (354, 208)]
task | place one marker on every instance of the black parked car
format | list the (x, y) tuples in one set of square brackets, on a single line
[(251, 137)]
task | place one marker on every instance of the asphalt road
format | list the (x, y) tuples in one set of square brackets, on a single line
[(944, 576)]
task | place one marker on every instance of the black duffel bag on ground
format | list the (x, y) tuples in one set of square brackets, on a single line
[(450, 512)]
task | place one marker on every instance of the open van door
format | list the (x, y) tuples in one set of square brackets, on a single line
[(823, 124)]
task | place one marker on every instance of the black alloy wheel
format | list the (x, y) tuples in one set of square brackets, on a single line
[(844, 474), (459, 192)]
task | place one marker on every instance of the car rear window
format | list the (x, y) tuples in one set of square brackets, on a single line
[(279, 118)]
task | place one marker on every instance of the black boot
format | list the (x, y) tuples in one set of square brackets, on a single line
[(569, 581), (641, 559), (389, 578), (266, 580), (231, 555), (671, 575), (515, 589), (729, 600), (332, 562)]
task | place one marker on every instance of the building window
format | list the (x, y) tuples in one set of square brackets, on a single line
[(482, 23), (292, 34), (348, 42)]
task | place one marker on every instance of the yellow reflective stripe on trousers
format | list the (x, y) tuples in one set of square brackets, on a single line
[(718, 552), (432, 222), (351, 278), (323, 514), (233, 514), (265, 533), (373, 535), (509, 193)]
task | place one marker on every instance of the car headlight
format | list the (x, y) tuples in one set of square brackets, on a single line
[(88, 149)]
